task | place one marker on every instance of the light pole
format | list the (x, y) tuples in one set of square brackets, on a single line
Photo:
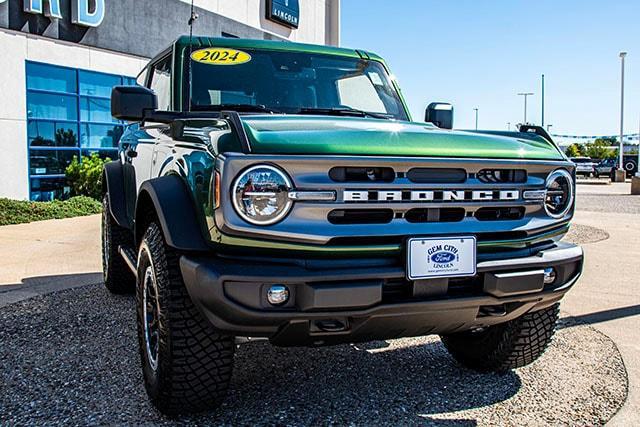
[(638, 163), (525, 94), (508, 125), (621, 149), (476, 110), (548, 127), (542, 120)]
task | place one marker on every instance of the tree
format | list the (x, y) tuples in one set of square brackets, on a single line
[(610, 140), (600, 148), (66, 138), (573, 151)]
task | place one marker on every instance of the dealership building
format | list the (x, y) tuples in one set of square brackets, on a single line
[(60, 59)]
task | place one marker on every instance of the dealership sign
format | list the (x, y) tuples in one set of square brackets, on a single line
[(87, 13), (286, 12)]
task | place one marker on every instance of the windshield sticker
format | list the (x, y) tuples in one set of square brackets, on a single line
[(220, 56)]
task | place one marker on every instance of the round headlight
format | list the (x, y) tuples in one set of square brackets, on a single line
[(559, 197), (261, 195)]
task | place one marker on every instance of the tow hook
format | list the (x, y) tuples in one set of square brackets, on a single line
[(330, 325), (492, 311)]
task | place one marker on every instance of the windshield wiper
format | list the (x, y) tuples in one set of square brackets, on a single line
[(344, 112), (241, 108)]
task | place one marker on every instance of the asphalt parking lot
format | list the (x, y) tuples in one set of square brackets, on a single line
[(597, 196), (71, 356)]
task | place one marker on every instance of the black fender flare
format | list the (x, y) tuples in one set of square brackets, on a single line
[(174, 208), (113, 187)]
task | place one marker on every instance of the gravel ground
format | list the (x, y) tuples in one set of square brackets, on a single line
[(582, 234), (618, 203), (71, 357)]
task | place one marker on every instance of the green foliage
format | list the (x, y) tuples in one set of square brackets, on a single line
[(573, 151), (85, 177), (600, 148), (21, 211), (608, 140)]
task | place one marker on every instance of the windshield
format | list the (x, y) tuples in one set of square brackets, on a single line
[(295, 83)]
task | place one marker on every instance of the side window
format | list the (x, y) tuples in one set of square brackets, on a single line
[(161, 83)]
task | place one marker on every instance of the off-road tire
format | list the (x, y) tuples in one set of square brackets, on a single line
[(194, 362), (117, 276), (506, 346)]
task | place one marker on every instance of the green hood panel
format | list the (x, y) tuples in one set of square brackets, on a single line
[(277, 134)]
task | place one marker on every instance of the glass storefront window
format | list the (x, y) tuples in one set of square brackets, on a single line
[(104, 154), (55, 79), (97, 84), (95, 110), (51, 106), (45, 133), (67, 108), (47, 189), (50, 162), (100, 136)]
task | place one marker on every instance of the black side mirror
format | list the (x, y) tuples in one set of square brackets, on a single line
[(131, 103), (440, 114)]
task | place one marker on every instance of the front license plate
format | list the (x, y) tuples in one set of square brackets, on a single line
[(441, 257)]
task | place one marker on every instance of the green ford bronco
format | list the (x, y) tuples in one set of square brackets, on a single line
[(281, 191)]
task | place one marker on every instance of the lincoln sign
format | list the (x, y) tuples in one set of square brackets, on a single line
[(285, 12)]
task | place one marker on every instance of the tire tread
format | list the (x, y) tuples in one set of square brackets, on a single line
[(196, 368), (511, 345)]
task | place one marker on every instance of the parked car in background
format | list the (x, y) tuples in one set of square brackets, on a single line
[(584, 165), (604, 167)]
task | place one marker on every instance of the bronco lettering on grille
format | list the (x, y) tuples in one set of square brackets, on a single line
[(428, 195)]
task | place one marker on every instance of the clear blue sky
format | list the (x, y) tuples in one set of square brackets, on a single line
[(481, 53)]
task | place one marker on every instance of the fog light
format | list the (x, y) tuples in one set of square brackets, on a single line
[(549, 275), (278, 295)]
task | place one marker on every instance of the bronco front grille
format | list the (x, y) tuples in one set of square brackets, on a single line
[(388, 198), (360, 216), (437, 175), (492, 176), (435, 215), (499, 214)]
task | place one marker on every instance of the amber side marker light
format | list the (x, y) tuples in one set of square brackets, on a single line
[(216, 190)]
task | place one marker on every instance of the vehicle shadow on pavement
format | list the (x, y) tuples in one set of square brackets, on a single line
[(600, 316), (399, 381), (41, 285), (396, 382), (73, 355)]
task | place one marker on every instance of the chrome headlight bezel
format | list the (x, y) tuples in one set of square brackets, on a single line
[(286, 187), (553, 176)]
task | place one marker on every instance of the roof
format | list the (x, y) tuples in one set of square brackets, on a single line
[(200, 41)]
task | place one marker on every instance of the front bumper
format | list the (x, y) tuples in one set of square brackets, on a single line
[(352, 303)]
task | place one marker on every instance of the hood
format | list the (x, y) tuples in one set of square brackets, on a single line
[(291, 134)]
